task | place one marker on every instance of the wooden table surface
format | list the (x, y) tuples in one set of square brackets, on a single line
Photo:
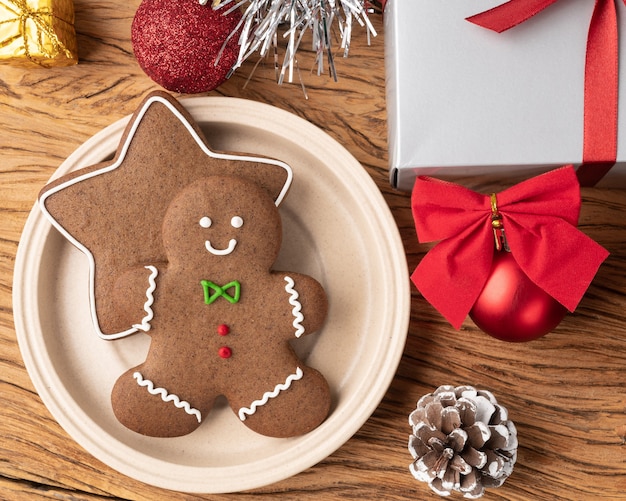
[(566, 392)]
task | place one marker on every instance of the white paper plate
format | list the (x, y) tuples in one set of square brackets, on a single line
[(337, 228)]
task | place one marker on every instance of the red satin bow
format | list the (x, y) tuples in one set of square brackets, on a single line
[(601, 77), (539, 217)]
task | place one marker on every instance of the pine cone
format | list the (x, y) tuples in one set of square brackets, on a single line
[(462, 441)]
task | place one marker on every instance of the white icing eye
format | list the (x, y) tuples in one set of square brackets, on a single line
[(205, 222), (236, 222)]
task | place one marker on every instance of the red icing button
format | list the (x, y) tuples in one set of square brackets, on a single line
[(223, 329), (225, 352)]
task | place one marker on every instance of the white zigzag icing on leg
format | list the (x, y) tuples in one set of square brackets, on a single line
[(270, 394), (297, 306), (167, 397), (147, 306)]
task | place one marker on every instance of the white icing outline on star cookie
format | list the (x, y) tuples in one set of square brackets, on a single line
[(123, 150)]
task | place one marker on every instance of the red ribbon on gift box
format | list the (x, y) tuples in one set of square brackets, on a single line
[(539, 217), (601, 77)]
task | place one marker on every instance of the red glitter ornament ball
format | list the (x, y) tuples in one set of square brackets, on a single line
[(511, 307), (176, 43)]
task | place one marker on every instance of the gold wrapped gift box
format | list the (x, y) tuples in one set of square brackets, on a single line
[(38, 31)]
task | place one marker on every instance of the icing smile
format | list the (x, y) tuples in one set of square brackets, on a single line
[(221, 252)]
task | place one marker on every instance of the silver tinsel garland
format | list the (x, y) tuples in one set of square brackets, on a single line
[(262, 21)]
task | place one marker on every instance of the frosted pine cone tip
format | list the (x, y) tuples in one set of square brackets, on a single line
[(462, 441)]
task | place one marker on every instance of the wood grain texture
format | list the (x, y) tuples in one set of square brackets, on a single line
[(565, 392)]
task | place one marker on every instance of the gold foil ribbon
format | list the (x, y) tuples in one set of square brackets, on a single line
[(40, 18)]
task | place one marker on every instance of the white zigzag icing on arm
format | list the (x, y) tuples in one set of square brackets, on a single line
[(167, 397), (297, 306), (270, 394), (147, 306)]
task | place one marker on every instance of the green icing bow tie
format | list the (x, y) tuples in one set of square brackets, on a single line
[(212, 291)]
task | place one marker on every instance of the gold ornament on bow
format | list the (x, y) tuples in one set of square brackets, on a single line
[(40, 32)]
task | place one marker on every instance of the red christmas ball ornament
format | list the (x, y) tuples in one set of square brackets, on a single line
[(511, 307), (177, 44)]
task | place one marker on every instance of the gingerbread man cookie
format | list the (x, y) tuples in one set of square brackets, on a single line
[(204, 231)]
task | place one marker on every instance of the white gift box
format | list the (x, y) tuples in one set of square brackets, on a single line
[(464, 101)]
